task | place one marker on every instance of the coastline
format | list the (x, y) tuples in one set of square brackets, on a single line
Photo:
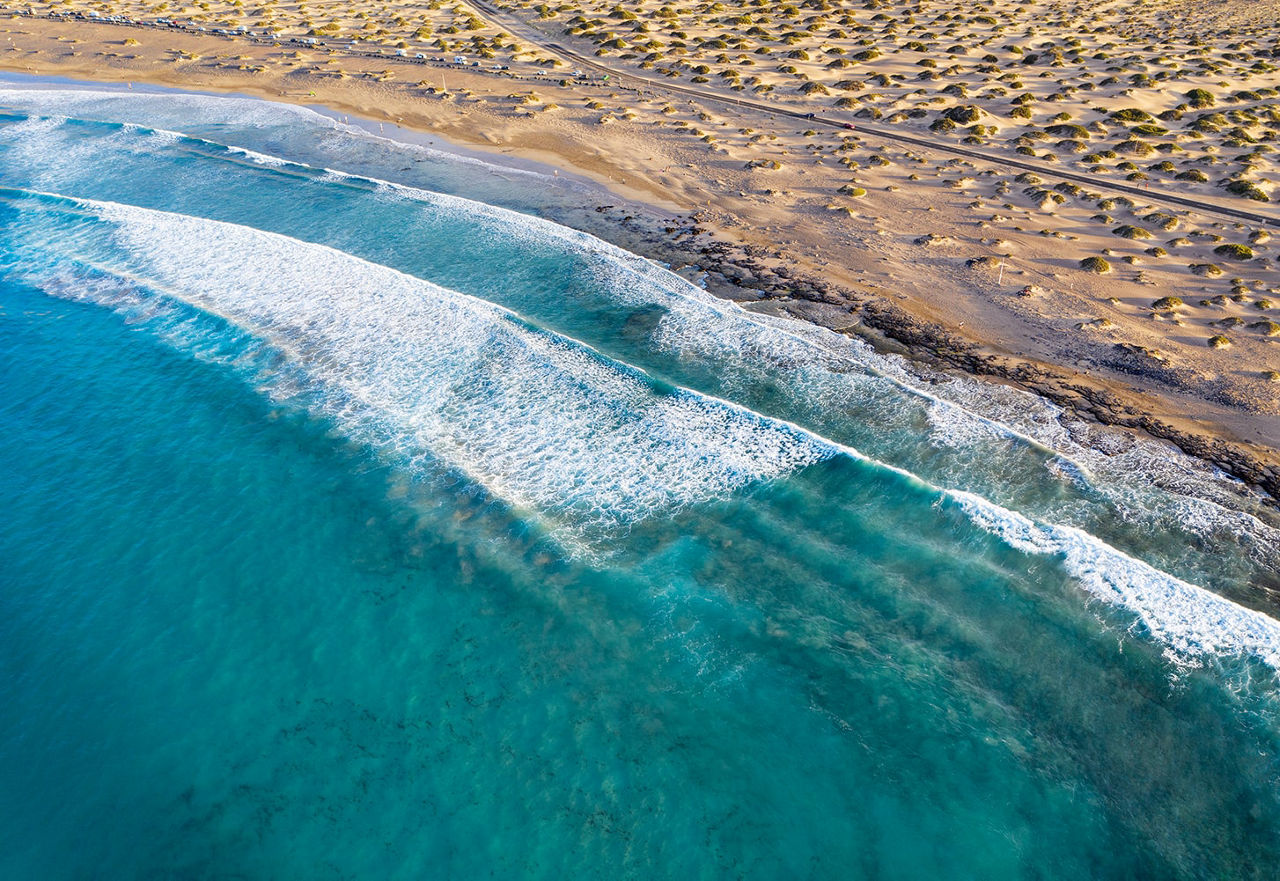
[(738, 260)]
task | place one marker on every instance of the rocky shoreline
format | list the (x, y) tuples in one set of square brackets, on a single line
[(748, 273), (706, 247)]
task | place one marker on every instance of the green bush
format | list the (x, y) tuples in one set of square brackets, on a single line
[(1135, 147), (1131, 232), (1200, 98), (1248, 189), (1234, 252), (963, 114), (1132, 114), (1077, 132), (1095, 264)]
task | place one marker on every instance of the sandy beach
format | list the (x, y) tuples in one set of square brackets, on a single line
[(1134, 311)]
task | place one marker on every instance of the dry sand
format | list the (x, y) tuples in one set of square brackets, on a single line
[(1177, 330)]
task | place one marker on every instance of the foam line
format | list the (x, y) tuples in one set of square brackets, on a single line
[(187, 109), (696, 322), (547, 422), (540, 420), (1190, 621), (690, 309)]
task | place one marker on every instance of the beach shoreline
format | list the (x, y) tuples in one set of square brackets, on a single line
[(730, 252)]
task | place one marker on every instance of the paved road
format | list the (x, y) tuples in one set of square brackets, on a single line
[(522, 29)]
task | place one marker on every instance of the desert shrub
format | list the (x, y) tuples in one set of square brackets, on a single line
[(1194, 174), (1200, 98), (963, 114), (1167, 303), (1218, 341), (1078, 132), (1135, 148), (1131, 232), (1162, 220), (1248, 189), (1095, 264), (1131, 114), (1210, 270), (1234, 252)]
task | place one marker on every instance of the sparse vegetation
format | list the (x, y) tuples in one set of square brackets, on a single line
[(1234, 252), (1127, 231), (1081, 87)]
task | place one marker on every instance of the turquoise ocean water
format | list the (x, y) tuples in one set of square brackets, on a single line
[(360, 524)]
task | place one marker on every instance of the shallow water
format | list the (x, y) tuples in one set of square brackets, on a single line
[(361, 528)]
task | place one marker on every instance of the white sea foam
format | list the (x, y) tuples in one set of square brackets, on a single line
[(37, 145), (547, 423), (178, 107), (953, 426), (259, 158), (988, 433), (697, 324), (1140, 477), (963, 413), (1190, 621), (829, 369), (539, 420), (178, 110)]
